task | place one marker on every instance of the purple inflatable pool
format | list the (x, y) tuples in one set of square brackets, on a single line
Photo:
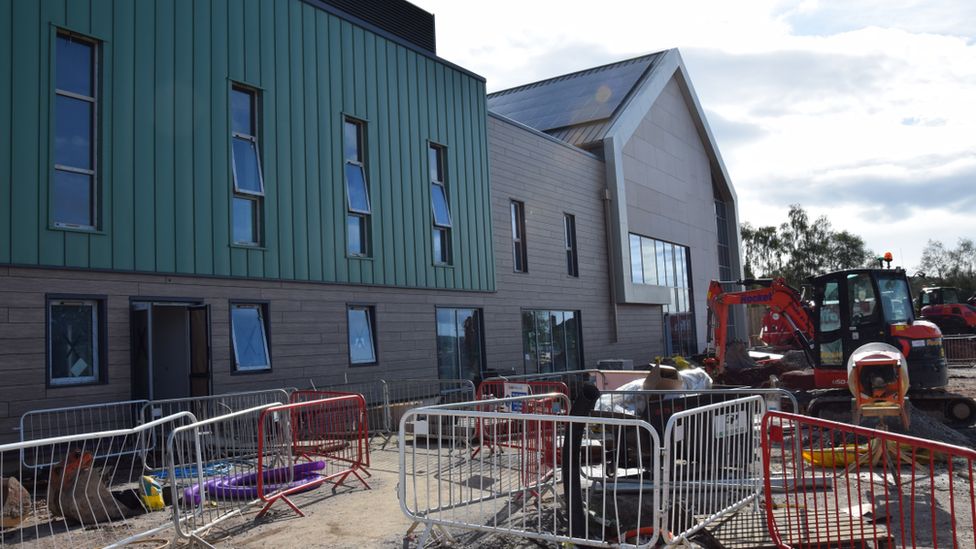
[(244, 487)]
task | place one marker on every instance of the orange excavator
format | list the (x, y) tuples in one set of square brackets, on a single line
[(847, 310)]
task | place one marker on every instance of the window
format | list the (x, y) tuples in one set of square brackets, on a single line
[(248, 181), (459, 348), (862, 298), (75, 350), (362, 344), (551, 341), (74, 193), (357, 188), (725, 257), (249, 335), (439, 204), (665, 264), (520, 255), (569, 236)]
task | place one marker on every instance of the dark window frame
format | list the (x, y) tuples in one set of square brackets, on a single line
[(438, 182), (578, 315), (364, 217), (100, 339), (265, 311), (93, 172), (571, 244), (255, 198), (370, 309), (482, 367), (520, 253)]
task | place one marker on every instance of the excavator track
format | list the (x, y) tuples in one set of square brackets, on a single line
[(955, 409)]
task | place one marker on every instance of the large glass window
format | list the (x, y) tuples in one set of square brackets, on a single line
[(357, 188), (249, 333), (660, 263), (569, 237), (248, 181), (74, 190), (551, 341), (459, 350), (519, 252), (439, 204), (73, 341), (362, 327), (896, 299)]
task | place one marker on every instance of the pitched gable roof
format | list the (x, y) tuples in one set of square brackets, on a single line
[(577, 107)]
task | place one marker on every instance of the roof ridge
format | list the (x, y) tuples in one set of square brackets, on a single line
[(575, 74)]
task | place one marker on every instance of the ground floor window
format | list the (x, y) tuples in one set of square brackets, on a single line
[(75, 327), (362, 327), (249, 334), (551, 341), (459, 343)]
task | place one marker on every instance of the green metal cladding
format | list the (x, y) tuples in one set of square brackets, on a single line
[(163, 150)]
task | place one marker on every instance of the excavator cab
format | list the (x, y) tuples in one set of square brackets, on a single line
[(860, 306)]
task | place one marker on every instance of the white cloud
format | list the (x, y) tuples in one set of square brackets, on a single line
[(841, 106)]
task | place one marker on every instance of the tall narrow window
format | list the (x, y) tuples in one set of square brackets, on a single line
[(362, 327), (74, 193), (519, 252), (75, 353), (439, 204), (357, 188), (459, 354), (248, 181), (249, 334), (569, 236)]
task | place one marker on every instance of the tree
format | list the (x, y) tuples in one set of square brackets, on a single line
[(800, 248), (955, 267)]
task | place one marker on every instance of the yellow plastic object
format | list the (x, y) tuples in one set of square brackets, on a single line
[(841, 456), (152, 494), (681, 363), (849, 454)]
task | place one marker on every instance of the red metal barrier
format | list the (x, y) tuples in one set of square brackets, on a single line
[(329, 436), (307, 395), (840, 485), (502, 433)]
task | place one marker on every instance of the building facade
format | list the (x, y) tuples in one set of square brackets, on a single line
[(206, 196)]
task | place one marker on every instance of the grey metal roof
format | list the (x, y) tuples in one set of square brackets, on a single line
[(576, 107)]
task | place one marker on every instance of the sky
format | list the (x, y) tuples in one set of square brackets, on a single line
[(863, 111)]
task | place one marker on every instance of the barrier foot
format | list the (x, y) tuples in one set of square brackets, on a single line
[(197, 541), (366, 484), (267, 506), (428, 533)]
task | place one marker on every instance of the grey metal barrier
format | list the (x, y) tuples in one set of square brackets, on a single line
[(213, 469), (570, 377), (960, 350), (204, 407), (73, 420), (712, 464), (82, 490), (520, 488)]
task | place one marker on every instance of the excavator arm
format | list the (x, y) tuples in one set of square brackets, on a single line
[(775, 294)]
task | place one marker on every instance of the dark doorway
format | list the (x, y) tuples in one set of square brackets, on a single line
[(170, 350)]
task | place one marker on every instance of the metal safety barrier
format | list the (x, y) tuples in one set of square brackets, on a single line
[(388, 399), (659, 405), (319, 441), (493, 434), (73, 420), (204, 407), (960, 350), (712, 464), (569, 377), (849, 486), (601, 494), (212, 469), (82, 489)]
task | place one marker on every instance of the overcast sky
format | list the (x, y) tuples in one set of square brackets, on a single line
[(861, 110)]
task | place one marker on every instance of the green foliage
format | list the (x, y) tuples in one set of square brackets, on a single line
[(800, 248), (954, 267)]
